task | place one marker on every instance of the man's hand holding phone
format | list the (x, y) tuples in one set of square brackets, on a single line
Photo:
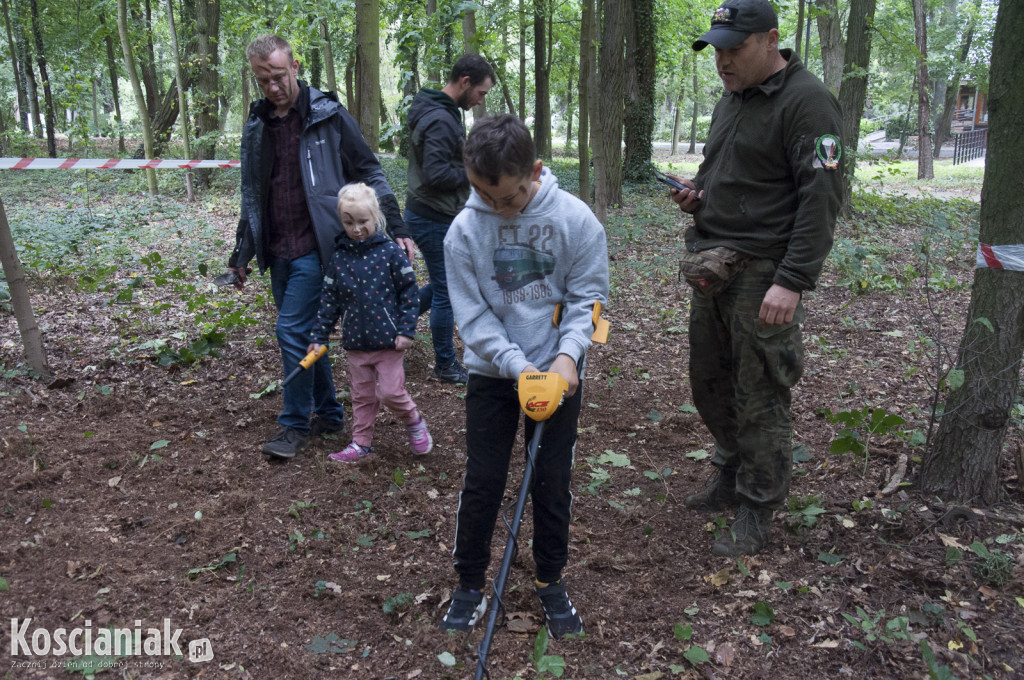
[(683, 191)]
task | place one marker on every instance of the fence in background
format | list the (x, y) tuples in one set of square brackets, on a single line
[(969, 145)]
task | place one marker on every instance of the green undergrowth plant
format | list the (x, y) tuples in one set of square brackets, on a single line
[(875, 627), (397, 602), (149, 261), (543, 662), (804, 511), (600, 477), (860, 426), (993, 566), (870, 252), (694, 654)]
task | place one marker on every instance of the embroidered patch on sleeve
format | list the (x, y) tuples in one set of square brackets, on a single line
[(828, 151)]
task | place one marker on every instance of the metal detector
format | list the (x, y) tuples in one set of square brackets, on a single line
[(540, 395)]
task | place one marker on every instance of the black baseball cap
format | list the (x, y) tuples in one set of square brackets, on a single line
[(735, 20)]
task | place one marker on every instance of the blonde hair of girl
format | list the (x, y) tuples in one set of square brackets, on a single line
[(360, 194)]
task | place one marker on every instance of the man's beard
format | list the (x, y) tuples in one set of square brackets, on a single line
[(463, 101)]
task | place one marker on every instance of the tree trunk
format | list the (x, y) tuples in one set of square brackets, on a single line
[(830, 36), (471, 41), (140, 100), (570, 107), (587, 68), (94, 86), (246, 91), (30, 335), (693, 118), (925, 167), (510, 106), (350, 95), (853, 91), (315, 67), (51, 123), (964, 462), (608, 122), (522, 59), (325, 39), (408, 59), (147, 66), (501, 73), (112, 71), (678, 114), (385, 122), (368, 69), (542, 79), (433, 73), (27, 73), (942, 124), (906, 117), (799, 30), (179, 80), (207, 83), (163, 123), (19, 79), (640, 86)]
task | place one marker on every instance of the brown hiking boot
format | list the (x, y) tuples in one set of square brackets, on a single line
[(748, 535), (719, 495)]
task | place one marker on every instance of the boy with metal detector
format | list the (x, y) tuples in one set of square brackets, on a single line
[(527, 268)]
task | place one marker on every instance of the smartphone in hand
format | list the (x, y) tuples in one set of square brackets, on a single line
[(665, 179)]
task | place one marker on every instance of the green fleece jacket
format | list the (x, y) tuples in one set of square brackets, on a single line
[(772, 175)]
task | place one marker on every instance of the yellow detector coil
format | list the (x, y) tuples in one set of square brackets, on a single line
[(540, 394)]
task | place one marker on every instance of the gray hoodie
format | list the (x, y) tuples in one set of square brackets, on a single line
[(505, 277)]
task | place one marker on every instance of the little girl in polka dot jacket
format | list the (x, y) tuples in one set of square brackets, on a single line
[(370, 285)]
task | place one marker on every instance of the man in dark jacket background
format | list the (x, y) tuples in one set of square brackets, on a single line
[(299, 147), (438, 189)]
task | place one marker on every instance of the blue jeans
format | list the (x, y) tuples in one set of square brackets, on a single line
[(296, 285), (429, 237)]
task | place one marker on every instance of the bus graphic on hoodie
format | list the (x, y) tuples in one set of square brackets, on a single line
[(517, 265)]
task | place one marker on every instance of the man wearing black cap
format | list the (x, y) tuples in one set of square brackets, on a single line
[(768, 190)]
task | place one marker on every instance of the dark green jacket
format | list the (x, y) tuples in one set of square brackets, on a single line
[(771, 176), (437, 183)]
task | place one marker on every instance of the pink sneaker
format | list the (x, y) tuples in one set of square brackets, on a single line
[(419, 438), (353, 453)]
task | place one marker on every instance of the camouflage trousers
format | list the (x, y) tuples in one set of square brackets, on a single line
[(742, 374)]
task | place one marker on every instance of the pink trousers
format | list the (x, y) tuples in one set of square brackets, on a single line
[(377, 378)]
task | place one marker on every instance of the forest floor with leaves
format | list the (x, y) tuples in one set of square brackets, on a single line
[(136, 491)]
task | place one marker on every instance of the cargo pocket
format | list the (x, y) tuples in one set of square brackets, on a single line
[(783, 350)]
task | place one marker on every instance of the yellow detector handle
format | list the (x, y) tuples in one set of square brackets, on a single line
[(601, 326), (312, 357), (540, 394), (305, 363)]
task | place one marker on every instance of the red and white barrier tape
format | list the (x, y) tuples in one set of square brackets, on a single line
[(1009, 257), (109, 164)]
